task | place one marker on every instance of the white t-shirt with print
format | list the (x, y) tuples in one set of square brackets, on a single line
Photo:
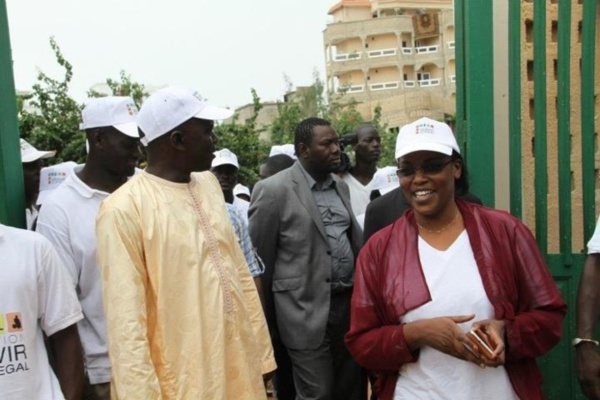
[(35, 295), (456, 288)]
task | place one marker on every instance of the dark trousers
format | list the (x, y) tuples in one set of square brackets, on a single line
[(329, 372), (283, 380), (100, 391)]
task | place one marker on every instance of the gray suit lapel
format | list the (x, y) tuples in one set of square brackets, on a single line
[(306, 197)]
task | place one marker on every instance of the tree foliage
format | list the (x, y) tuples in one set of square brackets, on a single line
[(54, 123), (307, 102), (341, 112), (51, 118), (124, 87), (243, 139)]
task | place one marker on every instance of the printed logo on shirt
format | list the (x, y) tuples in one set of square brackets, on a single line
[(14, 322), (13, 351)]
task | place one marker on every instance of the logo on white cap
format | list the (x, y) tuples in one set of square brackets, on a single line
[(51, 177), (385, 180), (119, 112), (224, 157), (170, 107), (426, 134)]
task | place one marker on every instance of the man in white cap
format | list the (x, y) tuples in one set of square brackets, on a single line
[(242, 192), (184, 318), (31, 159), (225, 166), (68, 220)]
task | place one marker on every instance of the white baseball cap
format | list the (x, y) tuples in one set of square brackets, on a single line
[(385, 180), (225, 157), (172, 106), (117, 111), (425, 134), (287, 149), (30, 153), (51, 177), (241, 189)]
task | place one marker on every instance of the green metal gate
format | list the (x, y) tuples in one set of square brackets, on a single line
[(547, 52), (12, 198)]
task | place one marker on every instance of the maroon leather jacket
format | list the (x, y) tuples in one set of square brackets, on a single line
[(389, 282)]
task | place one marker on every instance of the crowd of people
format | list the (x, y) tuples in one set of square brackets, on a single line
[(179, 282)]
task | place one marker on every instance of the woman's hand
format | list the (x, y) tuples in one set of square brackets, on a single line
[(495, 330), (443, 334)]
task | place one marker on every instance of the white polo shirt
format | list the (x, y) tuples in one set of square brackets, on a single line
[(68, 219), (35, 296)]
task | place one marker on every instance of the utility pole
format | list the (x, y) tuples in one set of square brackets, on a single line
[(12, 193)]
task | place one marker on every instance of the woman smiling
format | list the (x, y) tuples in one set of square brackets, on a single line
[(444, 268)]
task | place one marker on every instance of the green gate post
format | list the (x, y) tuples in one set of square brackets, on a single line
[(12, 195), (588, 67), (475, 93)]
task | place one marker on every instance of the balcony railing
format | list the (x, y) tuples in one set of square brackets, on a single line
[(453, 78), (381, 53), (451, 45), (429, 82), (351, 89), (347, 56), (407, 50), (427, 49), (383, 86), (409, 84)]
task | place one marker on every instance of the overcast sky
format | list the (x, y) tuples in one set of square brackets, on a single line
[(222, 48)]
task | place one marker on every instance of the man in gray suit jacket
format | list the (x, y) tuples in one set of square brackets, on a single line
[(302, 225)]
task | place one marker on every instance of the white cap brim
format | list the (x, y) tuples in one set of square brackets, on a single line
[(213, 113), (129, 128), (241, 189), (36, 155), (424, 146)]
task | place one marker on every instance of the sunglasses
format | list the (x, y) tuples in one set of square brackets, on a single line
[(429, 168)]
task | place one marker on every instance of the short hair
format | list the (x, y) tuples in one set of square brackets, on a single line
[(304, 130), (362, 126), (277, 163)]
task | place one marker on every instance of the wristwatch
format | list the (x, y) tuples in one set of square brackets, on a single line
[(578, 341)]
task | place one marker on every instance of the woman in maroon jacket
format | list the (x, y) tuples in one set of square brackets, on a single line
[(446, 267)]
